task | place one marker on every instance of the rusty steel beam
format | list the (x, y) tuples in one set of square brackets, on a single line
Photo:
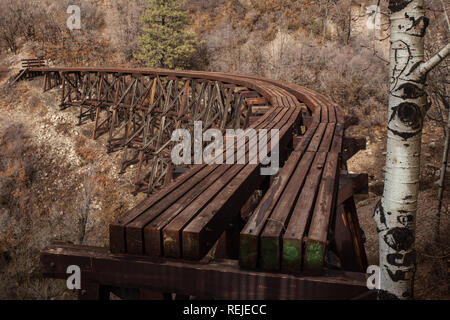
[(219, 279)]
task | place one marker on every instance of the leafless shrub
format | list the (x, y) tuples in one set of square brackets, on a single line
[(349, 74), (16, 170), (439, 78), (127, 19), (43, 25), (16, 21), (87, 193), (25, 226)]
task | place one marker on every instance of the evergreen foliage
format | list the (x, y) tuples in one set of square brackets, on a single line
[(166, 41)]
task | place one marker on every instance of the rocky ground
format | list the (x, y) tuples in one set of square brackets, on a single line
[(55, 184)]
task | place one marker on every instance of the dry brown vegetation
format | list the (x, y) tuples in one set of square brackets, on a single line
[(55, 183)]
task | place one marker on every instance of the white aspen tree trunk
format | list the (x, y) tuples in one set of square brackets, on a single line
[(395, 214)]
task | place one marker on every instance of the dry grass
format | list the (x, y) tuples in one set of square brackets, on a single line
[(44, 162), (84, 150)]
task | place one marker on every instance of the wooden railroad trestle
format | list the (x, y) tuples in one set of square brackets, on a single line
[(220, 231), (139, 112)]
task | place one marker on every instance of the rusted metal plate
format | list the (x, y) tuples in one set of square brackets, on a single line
[(222, 279)]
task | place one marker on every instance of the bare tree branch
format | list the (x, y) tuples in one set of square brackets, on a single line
[(435, 60)]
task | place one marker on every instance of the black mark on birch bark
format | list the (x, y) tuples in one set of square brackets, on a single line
[(402, 260), (408, 91), (404, 135), (408, 113), (407, 294), (405, 220), (398, 275), (386, 295), (396, 46), (379, 216), (414, 67), (418, 27), (399, 238), (397, 5)]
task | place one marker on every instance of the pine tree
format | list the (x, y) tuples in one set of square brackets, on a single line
[(166, 41)]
